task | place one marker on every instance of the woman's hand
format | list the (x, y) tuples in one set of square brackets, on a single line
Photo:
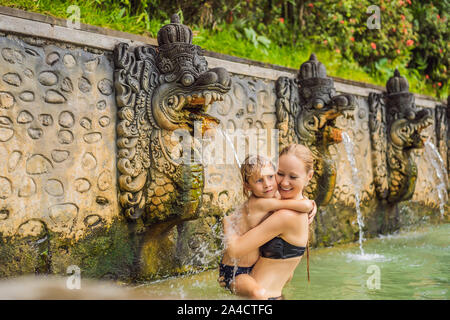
[(313, 212)]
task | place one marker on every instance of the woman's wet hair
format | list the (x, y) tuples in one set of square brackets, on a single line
[(251, 165), (302, 153)]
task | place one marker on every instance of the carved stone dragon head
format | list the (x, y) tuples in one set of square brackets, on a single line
[(405, 122), (396, 126), (307, 109), (159, 91)]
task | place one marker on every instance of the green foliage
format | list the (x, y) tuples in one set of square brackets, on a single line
[(413, 36)]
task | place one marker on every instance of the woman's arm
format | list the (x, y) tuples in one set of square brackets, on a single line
[(273, 226)]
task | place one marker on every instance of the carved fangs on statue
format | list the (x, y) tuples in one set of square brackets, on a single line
[(395, 126), (307, 109), (159, 90)]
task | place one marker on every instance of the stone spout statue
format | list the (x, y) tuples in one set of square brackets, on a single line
[(307, 108), (160, 91), (396, 124)]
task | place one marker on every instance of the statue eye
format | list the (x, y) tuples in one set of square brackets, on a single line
[(187, 80)]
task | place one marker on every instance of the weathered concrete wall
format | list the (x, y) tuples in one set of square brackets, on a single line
[(58, 186)]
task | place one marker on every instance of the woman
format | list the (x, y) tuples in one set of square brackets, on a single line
[(283, 236)]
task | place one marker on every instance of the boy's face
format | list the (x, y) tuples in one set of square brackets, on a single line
[(263, 184)]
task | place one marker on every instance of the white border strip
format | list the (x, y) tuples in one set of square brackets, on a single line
[(106, 42)]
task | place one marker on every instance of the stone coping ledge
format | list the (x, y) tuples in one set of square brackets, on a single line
[(39, 25)]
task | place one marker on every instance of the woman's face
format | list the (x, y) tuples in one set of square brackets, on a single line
[(291, 176)]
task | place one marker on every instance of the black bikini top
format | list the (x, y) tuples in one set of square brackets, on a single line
[(277, 248)]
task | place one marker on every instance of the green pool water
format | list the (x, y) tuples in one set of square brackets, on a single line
[(409, 265)]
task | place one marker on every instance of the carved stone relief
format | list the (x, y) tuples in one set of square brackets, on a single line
[(52, 164)]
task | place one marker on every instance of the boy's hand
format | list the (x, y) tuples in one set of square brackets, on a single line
[(221, 281), (313, 212)]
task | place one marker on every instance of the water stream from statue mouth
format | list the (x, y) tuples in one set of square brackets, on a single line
[(433, 156), (349, 148), (230, 143)]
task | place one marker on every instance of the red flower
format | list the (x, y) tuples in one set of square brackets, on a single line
[(342, 22), (427, 76), (403, 17), (401, 2), (373, 45), (325, 42), (409, 1), (310, 5), (409, 42), (438, 16), (352, 39), (440, 50), (281, 20), (398, 51), (439, 84)]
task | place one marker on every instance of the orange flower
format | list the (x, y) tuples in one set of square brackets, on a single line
[(398, 51), (352, 39), (281, 20), (439, 84), (409, 42), (409, 1), (403, 17), (427, 76), (310, 5), (325, 42), (342, 22), (338, 51), (373, 45)]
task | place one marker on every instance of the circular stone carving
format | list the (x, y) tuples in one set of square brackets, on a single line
[(92, 137), (35, 133), (52, 58), (25, 117), (101, 105), (67, 85), (84, 85), (82, 185), (28, 73), (62, 213), (6, 100), (92, 220), (12, 79), (104, 121), (60, 155), (105, 87), (4, 214), (27, 96), (31, 228), (69, 61), (46, 119), (6, 134), (86, 123), (27, 188), (48, 78), (65, 137), (53, 96), (5, 188), (104, 180), (66, 119), (38, 164), (54, 188), (14, 159), (13, 56), (88, 162)]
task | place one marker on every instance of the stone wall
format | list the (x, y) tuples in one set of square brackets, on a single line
[(58, 176)]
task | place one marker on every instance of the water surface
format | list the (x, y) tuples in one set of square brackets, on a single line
[(411, 265)]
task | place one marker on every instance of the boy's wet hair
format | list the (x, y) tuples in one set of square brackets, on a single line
[(251, 165)]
